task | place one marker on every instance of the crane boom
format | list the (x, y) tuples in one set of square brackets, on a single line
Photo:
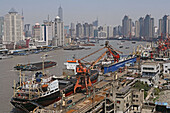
[(94, 63), (92, 53)]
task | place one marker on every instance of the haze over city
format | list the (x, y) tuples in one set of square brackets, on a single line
[(110, 12)]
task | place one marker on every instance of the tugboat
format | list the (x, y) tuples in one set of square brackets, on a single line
[(34, 66)]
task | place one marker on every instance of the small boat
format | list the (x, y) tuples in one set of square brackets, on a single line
[(121, 47), (133, 42), (119, 43), (122, 40), (127, 48), (102, 45)]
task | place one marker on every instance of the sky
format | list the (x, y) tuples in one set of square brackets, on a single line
[(109, 12)]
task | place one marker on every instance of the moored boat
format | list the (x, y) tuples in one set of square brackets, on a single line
[(34, 66)]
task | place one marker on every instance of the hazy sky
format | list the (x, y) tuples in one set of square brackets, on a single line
[(109, 12)]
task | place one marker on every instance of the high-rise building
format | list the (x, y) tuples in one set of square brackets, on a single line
[(95, 23), (66, 30), (27, 30), (166, 25), (137, 29), (109, 32), (86, 30), (79, 30), (160, 27), (46, 33), (13, 29), (1, 27), (141, 25), (91, 30), (60, 13), (36, 32), (148, 27), (72, 30), (59, 32), (126, 26)]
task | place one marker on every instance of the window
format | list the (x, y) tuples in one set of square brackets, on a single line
[(118, 102), (136, 96)]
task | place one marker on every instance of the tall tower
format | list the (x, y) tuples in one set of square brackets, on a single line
[(13, 31), (148, 27), (60, 13), (165, 25), (126, 26), (59, 32)]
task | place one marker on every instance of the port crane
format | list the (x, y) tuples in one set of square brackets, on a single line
[(84, 72)]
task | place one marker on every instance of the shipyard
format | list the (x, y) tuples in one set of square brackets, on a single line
[(92, 56)]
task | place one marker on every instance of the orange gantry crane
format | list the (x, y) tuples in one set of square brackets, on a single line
[(84, 72)]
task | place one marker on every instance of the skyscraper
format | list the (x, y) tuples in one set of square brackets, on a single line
[(160, 27), (91, 30), (59, 32), (126, 26), (109, 32), (166, 25), (95, 23), (1, 27), (137, 29), (141, 25), (36, 32), (13, 30), (79, 30), (86, 30), (60, 13), (148, 27)]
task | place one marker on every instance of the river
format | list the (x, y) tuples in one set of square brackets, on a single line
[(8, 74)]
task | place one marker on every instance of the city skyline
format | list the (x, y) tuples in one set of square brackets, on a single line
[(108, 12)]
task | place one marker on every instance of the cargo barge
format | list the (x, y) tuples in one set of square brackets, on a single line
[(35, 66)]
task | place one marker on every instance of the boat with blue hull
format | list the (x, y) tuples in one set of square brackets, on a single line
[(112, 67)]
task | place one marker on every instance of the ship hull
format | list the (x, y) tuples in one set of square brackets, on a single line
[(114, 67), (29, 105)]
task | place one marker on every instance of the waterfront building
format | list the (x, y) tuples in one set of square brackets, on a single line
[(95, 23), (27, 30), (160, 27), (59, 32), (109, 32), (148, 27), (13, 30), (72, 30), (91, 30), (141, 27), (86, 29), (36, 32), (137, 29), (126, 26), (79, 30), (66, 30), (102, 34), (166, 25), (60, 13), (1, 28)]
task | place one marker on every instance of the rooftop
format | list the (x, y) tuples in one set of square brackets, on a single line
[(149, 63), (12, 10)]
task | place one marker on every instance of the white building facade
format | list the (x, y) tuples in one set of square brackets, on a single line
[(59, 32), (13, 27)]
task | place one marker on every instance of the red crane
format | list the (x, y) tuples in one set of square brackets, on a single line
[(83, 72)]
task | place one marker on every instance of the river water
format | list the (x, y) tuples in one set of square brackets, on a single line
[(8, 74)]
